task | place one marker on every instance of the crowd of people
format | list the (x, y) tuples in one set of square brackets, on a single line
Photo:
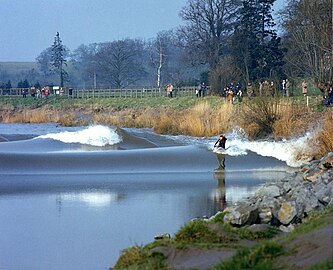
[(43, 92), (234, 92)]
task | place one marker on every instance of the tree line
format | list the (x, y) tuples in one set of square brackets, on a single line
[(220, 41)]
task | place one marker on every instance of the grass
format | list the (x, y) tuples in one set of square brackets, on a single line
[(198, 231), (260, 257), (139, 258)]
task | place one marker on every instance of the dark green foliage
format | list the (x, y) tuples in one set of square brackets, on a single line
[(255, 45), (58, 59)]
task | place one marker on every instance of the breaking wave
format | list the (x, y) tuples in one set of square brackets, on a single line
[(94, 135), (285, 150), (238, 144)]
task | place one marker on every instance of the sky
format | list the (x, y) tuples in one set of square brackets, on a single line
[(29, 26)]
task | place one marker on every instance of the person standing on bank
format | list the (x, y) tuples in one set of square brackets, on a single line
[(221, 142)]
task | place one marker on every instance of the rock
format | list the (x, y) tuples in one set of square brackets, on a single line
[(287, 212), (321, 191), (241, 215), (288, 200), (269, 191), (265, 215), (258, 228), (162, 236), (326, 200), (287, 229), (326, 162), (313, 175)]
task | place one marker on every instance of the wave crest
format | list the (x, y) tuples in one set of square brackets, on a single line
[(94, 135)]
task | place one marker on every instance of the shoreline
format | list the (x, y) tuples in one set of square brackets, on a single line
[(281, 208)]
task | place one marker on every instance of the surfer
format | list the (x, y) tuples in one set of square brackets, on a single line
[(221, 142)]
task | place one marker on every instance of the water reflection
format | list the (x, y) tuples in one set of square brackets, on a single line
[(92, 199), (219, 175), (221, 160)]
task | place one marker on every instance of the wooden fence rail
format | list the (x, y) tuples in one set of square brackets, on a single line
[(106, 92)]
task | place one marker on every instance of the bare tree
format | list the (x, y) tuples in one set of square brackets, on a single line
[(208, 26), (119, 63), (43, 60), (84, 61), (159, 54), (308, 34)]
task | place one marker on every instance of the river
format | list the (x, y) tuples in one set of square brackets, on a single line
[(74, 197)]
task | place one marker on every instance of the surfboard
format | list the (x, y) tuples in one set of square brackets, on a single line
[(220, 150)]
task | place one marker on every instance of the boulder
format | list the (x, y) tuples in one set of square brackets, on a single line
[(265, 215), (313, 175), (268, 191), (326, 162), (287, 229), (241, 215), (287, 212)]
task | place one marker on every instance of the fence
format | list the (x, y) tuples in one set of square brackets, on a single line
[(66, 92), (108, 92)]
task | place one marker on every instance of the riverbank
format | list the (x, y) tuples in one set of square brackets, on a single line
[(260, 118), (280, 227)]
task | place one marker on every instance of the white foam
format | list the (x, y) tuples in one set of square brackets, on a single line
[(285, 150), (94, 135), (238, 144)]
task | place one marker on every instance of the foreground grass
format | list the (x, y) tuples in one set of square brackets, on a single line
[(202, 234)]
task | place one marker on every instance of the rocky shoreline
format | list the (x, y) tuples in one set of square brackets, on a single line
[(286, 202), (218, 243)]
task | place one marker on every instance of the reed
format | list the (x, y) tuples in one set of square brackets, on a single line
[(292, 120), (201, 120), (28, 116), (325, 135)]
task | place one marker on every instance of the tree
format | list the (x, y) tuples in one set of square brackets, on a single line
[(159, 53), (58, 59), (255, 45), (209, 24), (119, 63), (23, 84), (44, 60), (307, 26), (84, 60), (8, 85)]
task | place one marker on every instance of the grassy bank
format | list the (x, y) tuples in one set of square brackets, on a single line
[(261, 117), (264, 249)]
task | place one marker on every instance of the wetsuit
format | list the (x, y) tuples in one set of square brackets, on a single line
[(221, 142)]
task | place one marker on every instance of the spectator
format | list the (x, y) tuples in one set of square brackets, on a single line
[(249, 90), (304, 88)]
